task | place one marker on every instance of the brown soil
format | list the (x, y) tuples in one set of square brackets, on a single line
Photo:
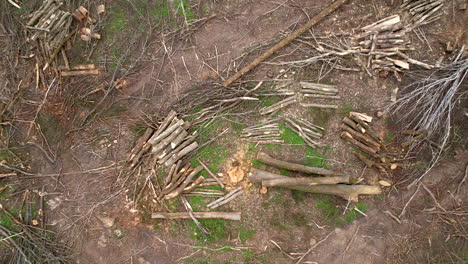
[(204, 56)]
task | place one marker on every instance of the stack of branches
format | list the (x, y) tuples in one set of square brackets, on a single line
[(333, 183), (269, 131), (169, 143), (307, 90), (309, 132), (50, 27), (356, 131), (382, 45), (30, 244), (319, 91), (379, 46), (422, 11), (266, 132), (426, 106)]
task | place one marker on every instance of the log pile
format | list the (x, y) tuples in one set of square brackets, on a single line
[(269, 131), (308, 90), (49, 25), (334, 183), (356, 131), (266, 132), (170, 143), (319, 91)]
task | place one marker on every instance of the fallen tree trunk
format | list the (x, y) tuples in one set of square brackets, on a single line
[(236, 216), (305, 181), (317, 18), (265, 158), (347, 192)]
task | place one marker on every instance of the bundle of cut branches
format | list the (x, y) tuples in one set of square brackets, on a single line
[(168, 144), (379, 46), (49, 25), (266, 132), (333, 183), (426, 105), (422, 11), (319, 91), (356, 131), (309, 132), (308, 90)]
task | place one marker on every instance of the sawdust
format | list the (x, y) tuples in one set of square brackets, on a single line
[(238, 167)]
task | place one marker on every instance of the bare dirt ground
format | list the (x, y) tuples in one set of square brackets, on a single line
[(82, 199)]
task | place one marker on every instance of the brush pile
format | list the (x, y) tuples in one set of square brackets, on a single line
[(49, 25)]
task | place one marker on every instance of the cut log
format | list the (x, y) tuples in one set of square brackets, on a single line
[(79, 67), (231, 193), (305, 181), (361, 137), (179, 139), (211, 174), (322, 96), (279, 105), (158, 137), (317, 18), (361, 116), (346, 136), (265, 158), (182, 153), (227, 199), (320, 106), (184, 184), (177, 179), (236, 216), (347, 192), (187, 141), (11, 174), (166, 122), (194, 184), (166, 141), (140, 142), (391, 20), (353, 125), (367, 128), (319, 87), (79, 73)]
